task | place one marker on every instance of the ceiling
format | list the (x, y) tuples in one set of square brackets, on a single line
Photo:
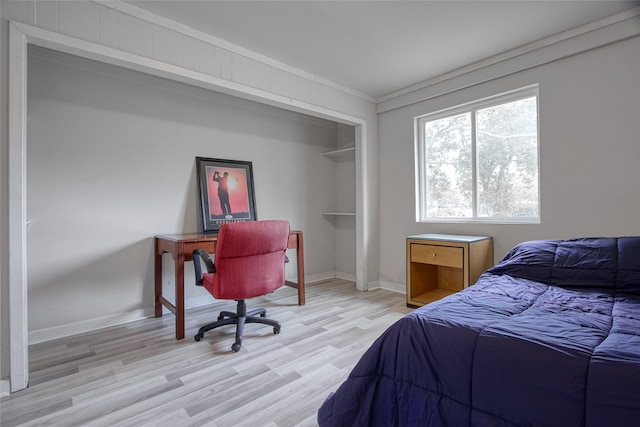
[(379, 47)]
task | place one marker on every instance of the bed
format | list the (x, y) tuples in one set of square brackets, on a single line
[(550, 336)]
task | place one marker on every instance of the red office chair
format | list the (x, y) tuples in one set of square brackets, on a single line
[(249, 262)]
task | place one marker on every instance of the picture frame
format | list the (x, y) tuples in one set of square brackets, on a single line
[(226, 192)]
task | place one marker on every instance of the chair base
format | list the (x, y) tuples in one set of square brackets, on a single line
[(240, 318)]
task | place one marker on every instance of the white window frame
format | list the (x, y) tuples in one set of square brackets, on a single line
[(470, 107)]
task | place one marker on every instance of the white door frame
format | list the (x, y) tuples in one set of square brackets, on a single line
[(20, 36)]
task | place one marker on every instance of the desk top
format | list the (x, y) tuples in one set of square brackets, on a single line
[(196, 237), (187, 236)]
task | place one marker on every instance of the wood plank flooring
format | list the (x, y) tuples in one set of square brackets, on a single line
[(139, 375)]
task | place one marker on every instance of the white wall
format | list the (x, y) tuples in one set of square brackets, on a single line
[(589, 154), (111, 163)]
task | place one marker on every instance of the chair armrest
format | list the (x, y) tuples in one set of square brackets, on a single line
[(199, 257)]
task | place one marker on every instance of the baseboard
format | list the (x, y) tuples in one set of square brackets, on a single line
[(389, 286), (310, 278), (56, 332), (345, 276), (373, 285), (5, 388), (63, 331), (194, 302), (393, 287)]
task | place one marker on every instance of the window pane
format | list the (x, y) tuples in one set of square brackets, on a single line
[(448, 172), (507, 168)]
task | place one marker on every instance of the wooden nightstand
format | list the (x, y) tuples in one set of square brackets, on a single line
[(439, 265)]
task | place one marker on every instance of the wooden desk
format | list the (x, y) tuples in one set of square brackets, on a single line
[(181, 246)]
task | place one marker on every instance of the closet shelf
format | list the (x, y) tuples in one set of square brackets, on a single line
[(339, 153), (339, 213)]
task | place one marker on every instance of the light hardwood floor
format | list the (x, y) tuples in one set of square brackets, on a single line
[(139, 375)]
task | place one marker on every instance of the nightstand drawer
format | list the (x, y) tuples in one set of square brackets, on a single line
[(437, 255)]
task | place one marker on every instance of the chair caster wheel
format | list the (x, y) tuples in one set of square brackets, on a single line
[(198, 337), (235, 347), (276, 331)]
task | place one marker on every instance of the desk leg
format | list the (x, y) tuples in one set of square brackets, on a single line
[(179, 295), (300, 261), (158, 280)]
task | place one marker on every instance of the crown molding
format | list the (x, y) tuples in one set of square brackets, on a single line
[(627, 19)]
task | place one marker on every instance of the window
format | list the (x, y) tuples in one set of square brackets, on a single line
[(479, 162)]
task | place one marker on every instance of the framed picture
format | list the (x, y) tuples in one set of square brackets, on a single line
[(226, 192)]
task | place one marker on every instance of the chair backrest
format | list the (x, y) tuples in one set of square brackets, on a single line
[(249, 259)]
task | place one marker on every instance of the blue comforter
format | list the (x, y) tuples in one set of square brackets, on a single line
[(548, 337)]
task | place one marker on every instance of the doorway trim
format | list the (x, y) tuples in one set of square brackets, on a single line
[(22, 35)]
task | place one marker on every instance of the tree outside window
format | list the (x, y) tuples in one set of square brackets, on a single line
[(480, 162)]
